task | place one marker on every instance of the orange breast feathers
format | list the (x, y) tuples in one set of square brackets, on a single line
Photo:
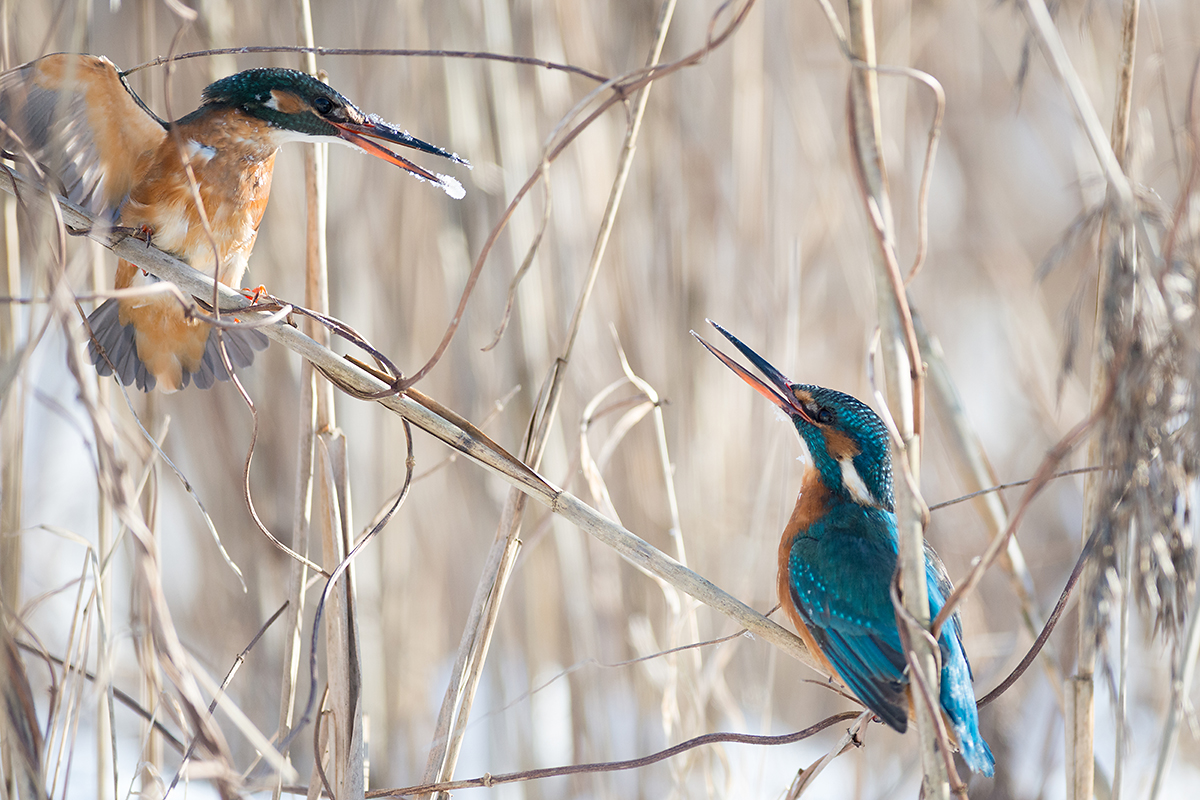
[(232, 156), (809, 506)]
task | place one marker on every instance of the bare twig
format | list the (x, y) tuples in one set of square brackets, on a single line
[(1037, 483), (613, 766), (359, 51)]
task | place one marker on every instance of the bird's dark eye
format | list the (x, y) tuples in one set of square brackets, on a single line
[(323, 105), (824, 416)]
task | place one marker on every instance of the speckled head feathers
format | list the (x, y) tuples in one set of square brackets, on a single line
[(305, 107), (840, 428), (285, 98)]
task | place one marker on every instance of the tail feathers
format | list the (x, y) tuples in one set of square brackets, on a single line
[(240, 344), (958, 701), (113, 350), (976, 753)]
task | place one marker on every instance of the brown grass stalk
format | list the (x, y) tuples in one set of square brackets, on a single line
[(476, 639), (444, 425), (741, 205), (905, 386)]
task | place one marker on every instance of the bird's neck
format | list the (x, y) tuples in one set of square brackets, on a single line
[(811, 504), (841, 481), (231, 131)]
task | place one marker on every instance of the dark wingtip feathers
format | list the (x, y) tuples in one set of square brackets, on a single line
[(113, 350)]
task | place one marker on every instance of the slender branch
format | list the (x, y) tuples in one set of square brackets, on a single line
[(358, 51), (440, 422), (125, 699), (488, 780), (1036, 484), (1066, 473)]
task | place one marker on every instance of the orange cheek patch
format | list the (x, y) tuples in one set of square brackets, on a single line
[(288, 103), (840, 446)]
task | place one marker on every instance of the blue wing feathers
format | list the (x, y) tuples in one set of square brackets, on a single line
[(838, 572)]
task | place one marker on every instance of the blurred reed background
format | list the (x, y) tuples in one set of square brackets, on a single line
[(741, 206)]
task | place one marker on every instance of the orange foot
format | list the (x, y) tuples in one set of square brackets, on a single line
[(254, 295)]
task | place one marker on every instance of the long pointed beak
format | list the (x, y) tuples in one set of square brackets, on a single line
[(357, 135), (778, 390)]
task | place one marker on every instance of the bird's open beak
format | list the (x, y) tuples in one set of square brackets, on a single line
[(778, 390), (374, 127)]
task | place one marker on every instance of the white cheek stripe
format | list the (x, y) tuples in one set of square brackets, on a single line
[(854, 482)]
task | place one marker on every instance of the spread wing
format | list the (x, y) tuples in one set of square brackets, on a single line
[(74, 116)]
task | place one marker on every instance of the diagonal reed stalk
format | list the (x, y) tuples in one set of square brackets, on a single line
[(476, 639), (429, 415)]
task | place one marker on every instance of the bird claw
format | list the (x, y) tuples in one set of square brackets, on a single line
[(261, 297), (143, 232), (255, 296)]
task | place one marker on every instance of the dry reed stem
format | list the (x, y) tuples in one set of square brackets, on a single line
[(1119, 747), (12, 417), (1081, 721), (1041, 25), (442, 424), (343, 664), (313, 408), (462, 686), (342, 648), (14, 750), (298, 569), (905, 387), (1120, 146), (977, 474)]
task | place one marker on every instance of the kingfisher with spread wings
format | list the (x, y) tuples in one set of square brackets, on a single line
[(96, 142)]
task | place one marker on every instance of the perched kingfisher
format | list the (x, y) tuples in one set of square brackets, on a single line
[(839, 552), (100, 145)]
